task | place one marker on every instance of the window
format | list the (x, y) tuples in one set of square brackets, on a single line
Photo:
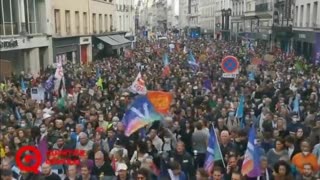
[(308, 15), (94, 23), (315, 14), (57, 22), (120, 23), (31, 18), (106, 22), (8, 18), (301, 15), (85, 23), (67, 21), (111, 23), (77, 22), (100, 23), (297, 17)]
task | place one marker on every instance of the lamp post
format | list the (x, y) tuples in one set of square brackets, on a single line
[(223, 12), (228, 22)]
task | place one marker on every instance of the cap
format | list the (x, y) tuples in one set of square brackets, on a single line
[(122, 166)]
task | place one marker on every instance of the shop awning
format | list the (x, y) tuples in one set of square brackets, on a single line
[(120, 39), (108, 40)]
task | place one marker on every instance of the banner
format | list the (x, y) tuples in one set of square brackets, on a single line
[(160, 100), (138, 86)]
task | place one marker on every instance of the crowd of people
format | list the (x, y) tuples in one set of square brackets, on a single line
[(89, 117)]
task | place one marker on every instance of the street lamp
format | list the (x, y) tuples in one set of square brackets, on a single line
[(223, 12)]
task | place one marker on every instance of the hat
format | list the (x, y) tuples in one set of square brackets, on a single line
[(122, 166), (46, 116)]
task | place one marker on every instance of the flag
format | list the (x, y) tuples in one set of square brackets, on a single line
[(240, 111), (23, 86), (160, 100), (251, 76), (296, 104), (251, 162), (99, 83), (166, 69), (49, 85), (192, 61), (213, 152), (139, 114), (138, 86), (207, 85)]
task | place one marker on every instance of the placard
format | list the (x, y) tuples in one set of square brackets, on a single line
[(38, 94)]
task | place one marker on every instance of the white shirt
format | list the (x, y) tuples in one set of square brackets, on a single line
[(290, 151)]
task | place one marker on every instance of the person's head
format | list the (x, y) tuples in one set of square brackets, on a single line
[(217, 173), (299, 133), (99, 158), (142, 147), (289, 141), (6, 174), (279, 144), (46, 169), (60, 141), (152, 133), (58, 123), (142, 174), (233, 161), (199, 125), (83, 137), (236, 176), (72, 171), (202, 174), (307, 170), (79, 128), (176, 168), (282, 168), (305, 147), (122, 170), (263, 162), (225, 136), (180, 147), (5, 165), (85, 171)]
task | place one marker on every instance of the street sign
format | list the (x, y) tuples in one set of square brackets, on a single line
[(228, 75), (230, 64)]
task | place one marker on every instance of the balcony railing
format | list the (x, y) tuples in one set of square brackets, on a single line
[(264, 7)]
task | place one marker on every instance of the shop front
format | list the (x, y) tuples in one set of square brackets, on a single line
[(303, 43), (112, 44), (29, 54), (86, 50), (66, 50)]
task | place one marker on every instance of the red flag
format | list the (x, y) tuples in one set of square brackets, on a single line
[(166, 71)]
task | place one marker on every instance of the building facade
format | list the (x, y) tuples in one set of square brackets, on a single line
[(222, 20), (193, 13), (125, 13), (306, 26), (25, 36), (173, 14), (206, 18)]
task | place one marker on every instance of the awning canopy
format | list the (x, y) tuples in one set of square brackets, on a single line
[(116, 41), (119, 39), (108, 40)]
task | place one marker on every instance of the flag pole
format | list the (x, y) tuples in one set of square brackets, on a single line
[(224, 165)]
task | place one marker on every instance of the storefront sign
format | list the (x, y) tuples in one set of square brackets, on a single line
[(9, 44), (85, 40)]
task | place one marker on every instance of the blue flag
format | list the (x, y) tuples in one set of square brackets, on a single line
[(213, 152), (240, 111), (296, 104), (251, 76), (192, 61), (23, 86)]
